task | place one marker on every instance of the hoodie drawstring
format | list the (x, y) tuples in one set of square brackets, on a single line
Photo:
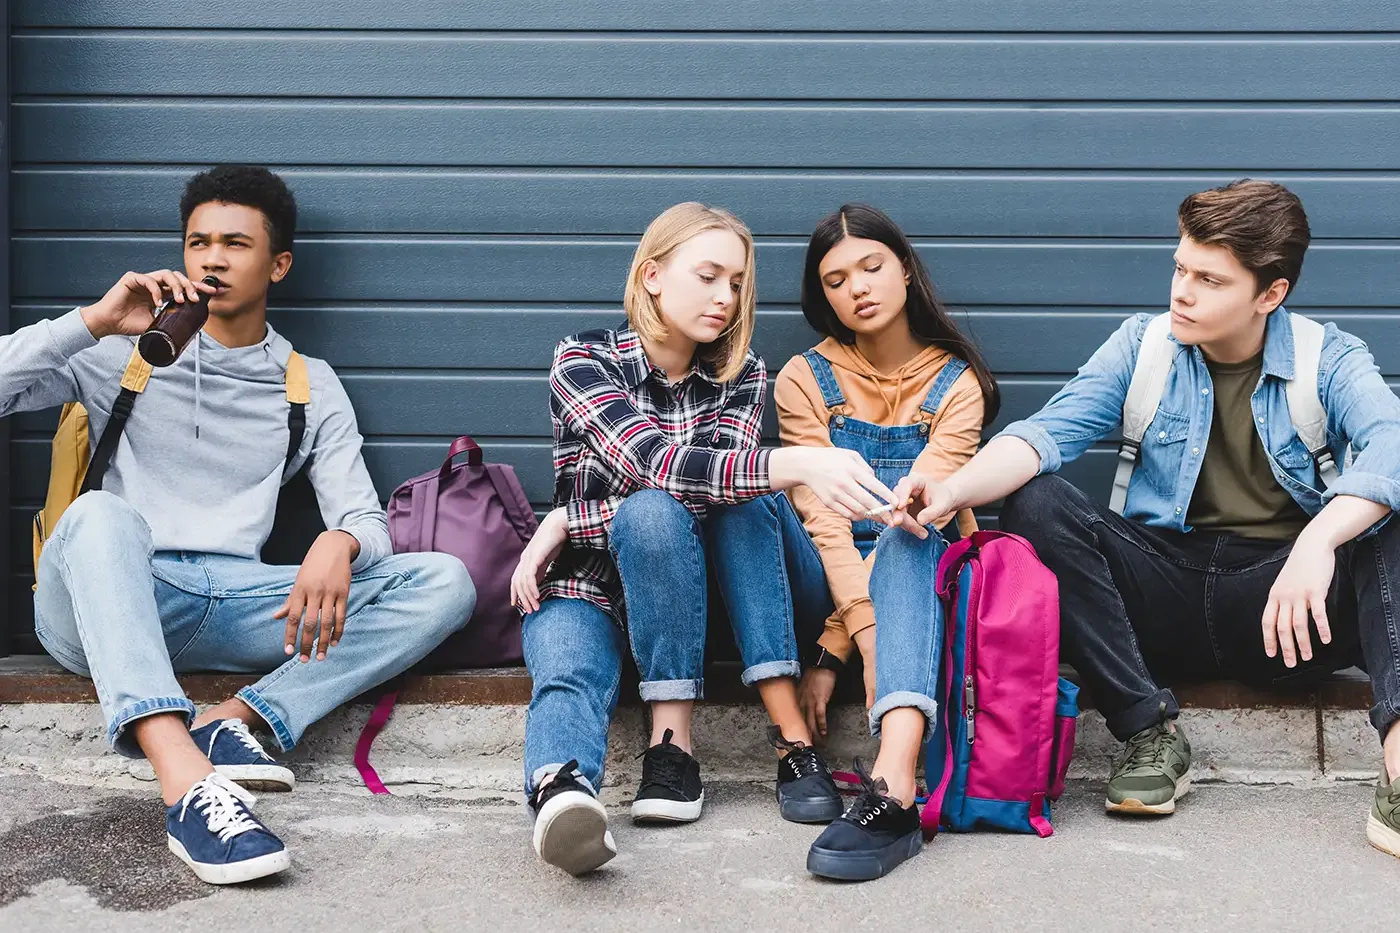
[(198, 372)]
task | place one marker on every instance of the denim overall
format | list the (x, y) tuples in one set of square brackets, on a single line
[(891, 451)]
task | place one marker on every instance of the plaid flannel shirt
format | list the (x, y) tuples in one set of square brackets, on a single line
[(620, 426)]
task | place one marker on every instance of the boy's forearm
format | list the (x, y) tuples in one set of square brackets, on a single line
[(1005, 465), (1344, 518)]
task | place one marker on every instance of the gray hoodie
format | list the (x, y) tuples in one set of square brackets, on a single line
[(202, 454)]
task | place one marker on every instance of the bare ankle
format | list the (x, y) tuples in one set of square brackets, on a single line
[(232, 708)]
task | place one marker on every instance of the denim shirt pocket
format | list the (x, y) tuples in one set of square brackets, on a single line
[(1163, 446), (1293, 456), (1299, 471)]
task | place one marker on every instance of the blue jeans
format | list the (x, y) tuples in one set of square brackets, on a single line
[(908, 625), (109, 608), (768, 572)]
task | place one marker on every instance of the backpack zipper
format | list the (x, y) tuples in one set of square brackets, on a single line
[(970, 708)]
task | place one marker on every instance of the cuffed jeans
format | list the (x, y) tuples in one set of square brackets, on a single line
[(110, 608), (1139, 603), (769, 575), (909, 623)]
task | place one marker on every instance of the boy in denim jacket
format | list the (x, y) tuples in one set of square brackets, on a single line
[(1231, 558)]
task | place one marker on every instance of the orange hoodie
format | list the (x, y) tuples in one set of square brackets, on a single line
[(886, 400)]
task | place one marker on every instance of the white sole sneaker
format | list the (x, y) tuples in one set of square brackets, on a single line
[(233, 872), (571, 832), (259, 777), (1133, 806), (1382, 836), (653, 810)]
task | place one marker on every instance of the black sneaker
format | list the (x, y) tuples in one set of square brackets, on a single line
[(870, 839), (671, 791), (571, 826), (806, 792)]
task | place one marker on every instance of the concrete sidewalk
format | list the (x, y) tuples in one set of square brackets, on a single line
[(1233, 858)]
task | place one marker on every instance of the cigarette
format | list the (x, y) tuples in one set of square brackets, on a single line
[(887, 507)]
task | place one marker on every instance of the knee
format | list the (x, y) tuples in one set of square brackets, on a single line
[(651, 520), (102, 519), (445, 583), (897, 546), (1042, 499)]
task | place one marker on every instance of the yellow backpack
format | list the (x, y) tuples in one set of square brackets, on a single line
[(73, 472)]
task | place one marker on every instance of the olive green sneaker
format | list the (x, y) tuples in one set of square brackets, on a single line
[(1154, 773), (1383, 825)]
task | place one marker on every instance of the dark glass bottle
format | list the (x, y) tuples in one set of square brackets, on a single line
[(175, 324)]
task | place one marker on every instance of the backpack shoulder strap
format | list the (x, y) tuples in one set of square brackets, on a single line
[(1304, 408), (138, 373), (1154, 364), (298, 396)]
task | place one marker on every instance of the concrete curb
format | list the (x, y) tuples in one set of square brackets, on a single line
[(429, 748)]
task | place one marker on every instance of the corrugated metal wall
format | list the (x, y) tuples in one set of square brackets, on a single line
[(472, 176)]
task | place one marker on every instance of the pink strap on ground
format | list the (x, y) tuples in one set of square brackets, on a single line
[(377, 721), (1039, 823)]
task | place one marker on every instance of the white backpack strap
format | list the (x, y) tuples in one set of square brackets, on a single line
[(1154, 364), (1304, 409)]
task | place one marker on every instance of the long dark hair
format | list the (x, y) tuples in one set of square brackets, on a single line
[(928, 317)]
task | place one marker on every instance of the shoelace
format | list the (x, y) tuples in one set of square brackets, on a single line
[(802, 758), (873, 799), (224, 806), (1144, 749), (240, 731), (566, 776), (663, 765)]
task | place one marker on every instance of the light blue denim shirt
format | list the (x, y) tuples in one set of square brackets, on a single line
[(1361, 412)]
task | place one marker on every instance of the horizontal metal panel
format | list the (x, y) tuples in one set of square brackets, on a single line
[(408, 337), (517, 406), (768, 16), (1092, 472), (392, 462), (1240, 138), (136, 198), (709, 67), (975, 272)]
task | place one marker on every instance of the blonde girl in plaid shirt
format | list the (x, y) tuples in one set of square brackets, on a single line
[(660, 482)]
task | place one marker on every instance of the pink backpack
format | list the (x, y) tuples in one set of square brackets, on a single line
[(1006, 728)]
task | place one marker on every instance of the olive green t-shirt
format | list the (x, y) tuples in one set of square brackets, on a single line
[(1236, 492)]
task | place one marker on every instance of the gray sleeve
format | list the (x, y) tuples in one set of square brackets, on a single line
[(344, 490), (36, 370)]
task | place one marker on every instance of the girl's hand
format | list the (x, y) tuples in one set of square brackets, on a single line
[(542, 551)]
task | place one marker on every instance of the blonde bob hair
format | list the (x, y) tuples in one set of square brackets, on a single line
[(675, 226)]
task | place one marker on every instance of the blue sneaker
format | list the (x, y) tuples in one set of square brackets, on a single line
[(235, 754), (212, 830)]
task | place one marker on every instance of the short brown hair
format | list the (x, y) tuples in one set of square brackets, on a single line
[(1261, 222), (674, 226)]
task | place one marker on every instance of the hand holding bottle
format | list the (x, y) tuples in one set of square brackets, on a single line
[(129, 306)]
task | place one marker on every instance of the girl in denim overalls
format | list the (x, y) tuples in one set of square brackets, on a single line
[(897, 383)]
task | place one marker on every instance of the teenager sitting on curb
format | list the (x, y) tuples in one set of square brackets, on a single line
[(158, 571), (659, 482), (1234, 537)]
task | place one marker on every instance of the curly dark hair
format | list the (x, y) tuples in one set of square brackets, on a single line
[(249, 186)]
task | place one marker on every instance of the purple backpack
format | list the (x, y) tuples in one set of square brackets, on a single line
[(1005, 732), (477, 512)]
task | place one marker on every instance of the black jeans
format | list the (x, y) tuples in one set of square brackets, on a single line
[(1140, 606)]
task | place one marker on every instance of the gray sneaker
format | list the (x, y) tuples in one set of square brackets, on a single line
[(1153, 774), (1383, 825)]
